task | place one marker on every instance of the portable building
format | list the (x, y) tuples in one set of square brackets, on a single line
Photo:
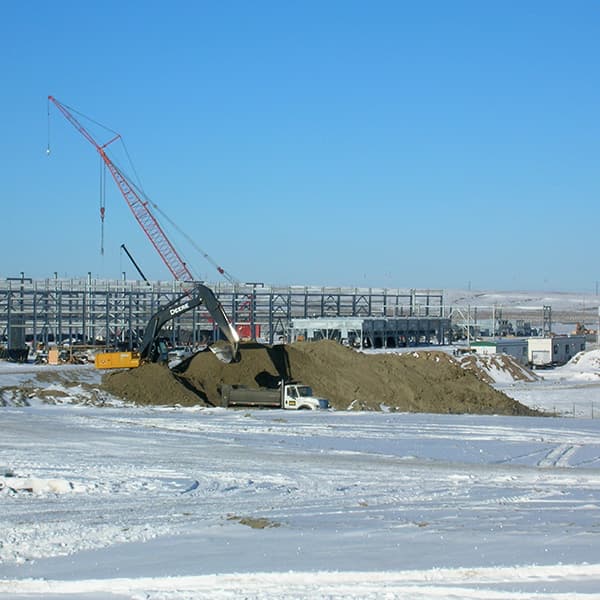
[(554, 350)]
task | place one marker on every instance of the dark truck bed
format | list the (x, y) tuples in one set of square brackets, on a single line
[(245, 396)]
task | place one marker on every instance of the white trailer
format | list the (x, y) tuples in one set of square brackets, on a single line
[(554, 350)]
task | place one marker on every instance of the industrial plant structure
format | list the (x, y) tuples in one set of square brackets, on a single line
[(113, 313)]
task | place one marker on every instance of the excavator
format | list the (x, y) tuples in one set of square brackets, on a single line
[(150, 349)]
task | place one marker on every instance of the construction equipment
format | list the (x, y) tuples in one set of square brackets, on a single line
[(134, 263), (140, 207), (289, 396), (152, 349)]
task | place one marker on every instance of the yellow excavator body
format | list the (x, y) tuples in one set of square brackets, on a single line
[(117, 360)]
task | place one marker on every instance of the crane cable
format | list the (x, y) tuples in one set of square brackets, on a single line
[(140, 190), (214, 263), (48, 146), (176, 227), (102, 203), (102, 173)]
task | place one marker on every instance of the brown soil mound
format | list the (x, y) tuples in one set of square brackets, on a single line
[(149, 384), (417, 382)]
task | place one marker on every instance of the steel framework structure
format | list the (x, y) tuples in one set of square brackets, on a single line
[(107, 312)]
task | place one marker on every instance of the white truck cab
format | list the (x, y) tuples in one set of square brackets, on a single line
[(298, 397)]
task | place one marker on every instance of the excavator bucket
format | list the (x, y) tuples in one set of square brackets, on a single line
[(224, 353)]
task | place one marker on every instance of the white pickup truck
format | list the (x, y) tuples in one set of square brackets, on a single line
[(291, 396)]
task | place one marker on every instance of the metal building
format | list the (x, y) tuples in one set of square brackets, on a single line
[(374, 332)]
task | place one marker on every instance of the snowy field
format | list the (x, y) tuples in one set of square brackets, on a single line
[(119, 502)]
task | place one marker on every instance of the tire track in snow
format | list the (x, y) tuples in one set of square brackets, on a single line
[(559, 456)]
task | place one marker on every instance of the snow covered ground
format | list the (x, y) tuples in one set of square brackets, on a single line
[(102, 500)]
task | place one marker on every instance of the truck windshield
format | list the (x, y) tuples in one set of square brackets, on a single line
[(304, 390)]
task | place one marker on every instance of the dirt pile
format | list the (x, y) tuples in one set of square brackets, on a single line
[(422, 381), (149, 384)]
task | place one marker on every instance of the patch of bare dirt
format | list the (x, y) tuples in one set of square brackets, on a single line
[(422, 381), (253, 522)]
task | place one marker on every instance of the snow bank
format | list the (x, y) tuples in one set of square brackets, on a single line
[(35, 485), (499, 583)]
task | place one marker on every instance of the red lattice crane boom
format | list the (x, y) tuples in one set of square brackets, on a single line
[(139, 207)]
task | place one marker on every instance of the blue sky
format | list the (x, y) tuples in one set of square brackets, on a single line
[(399, 144)]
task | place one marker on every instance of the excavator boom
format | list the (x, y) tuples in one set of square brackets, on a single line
[(200, 294), (149, 350)]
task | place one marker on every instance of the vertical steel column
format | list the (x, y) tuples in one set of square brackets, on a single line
[(59, 317), (9, 318), (129, 322)]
